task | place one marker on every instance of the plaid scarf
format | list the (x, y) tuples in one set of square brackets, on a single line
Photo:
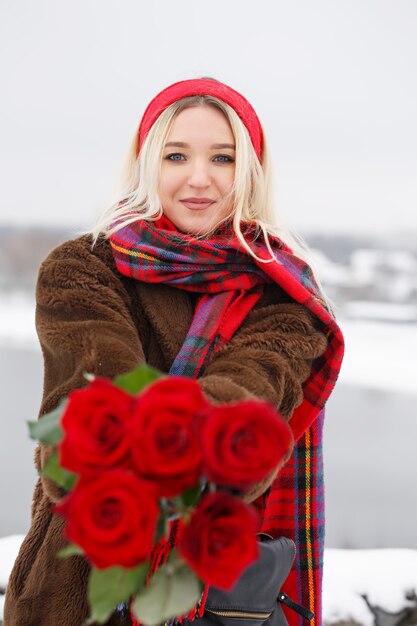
[(231, 282)]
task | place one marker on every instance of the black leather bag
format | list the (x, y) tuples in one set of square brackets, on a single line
[(256, 599)]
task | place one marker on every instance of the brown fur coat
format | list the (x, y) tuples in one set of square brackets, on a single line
[(92, 319)]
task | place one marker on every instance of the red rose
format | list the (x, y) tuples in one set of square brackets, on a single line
[(242, 443), (220, 540), (165, 445), (95, 427), (112, 517)]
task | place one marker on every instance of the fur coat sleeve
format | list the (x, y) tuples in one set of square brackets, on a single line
[(92, 319)]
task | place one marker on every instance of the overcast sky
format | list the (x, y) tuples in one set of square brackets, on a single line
[(333, 81)]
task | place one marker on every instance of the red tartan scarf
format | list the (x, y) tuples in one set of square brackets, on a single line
[(231, 281)]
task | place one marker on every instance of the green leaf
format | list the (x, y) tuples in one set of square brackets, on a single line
[(70, 550), (108, 587), (190, 496), (53, 470), (138, 379), (48, 427), (172, 591)]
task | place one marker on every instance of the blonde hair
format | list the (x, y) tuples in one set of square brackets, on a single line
[(136, 195)]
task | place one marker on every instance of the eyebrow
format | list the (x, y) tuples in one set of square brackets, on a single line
[(215, 146)]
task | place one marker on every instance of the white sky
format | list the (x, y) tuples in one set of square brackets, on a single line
[(333, 81)]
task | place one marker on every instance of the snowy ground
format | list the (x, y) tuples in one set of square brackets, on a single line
[(384, 575), (9, 547), (371, 347), (17, 320), (380, 355)]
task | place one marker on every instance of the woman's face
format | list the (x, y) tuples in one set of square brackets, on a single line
[(198, 168)]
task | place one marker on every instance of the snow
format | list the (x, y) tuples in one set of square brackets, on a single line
[(398, 260), (380, 355), (331, 273), (391, 312), (17, 320), (9, 547), (383, 575)]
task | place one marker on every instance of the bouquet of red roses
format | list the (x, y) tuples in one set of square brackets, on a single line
[(139, 452)]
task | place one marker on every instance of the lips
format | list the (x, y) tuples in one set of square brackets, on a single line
[(197, 204)]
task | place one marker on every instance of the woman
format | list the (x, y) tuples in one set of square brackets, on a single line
[(187, 273)]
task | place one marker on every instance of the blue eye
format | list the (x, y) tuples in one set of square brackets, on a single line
[(224, 158), (175, 156)]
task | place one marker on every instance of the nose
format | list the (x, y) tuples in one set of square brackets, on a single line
[(199, 176)]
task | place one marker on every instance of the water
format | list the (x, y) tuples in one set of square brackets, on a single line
[(21, 389), (370, 459), (371, 469)]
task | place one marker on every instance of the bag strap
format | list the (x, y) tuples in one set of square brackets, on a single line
[(301, 610)]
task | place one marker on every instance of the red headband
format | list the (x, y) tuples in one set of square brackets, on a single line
[(202, 87)]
